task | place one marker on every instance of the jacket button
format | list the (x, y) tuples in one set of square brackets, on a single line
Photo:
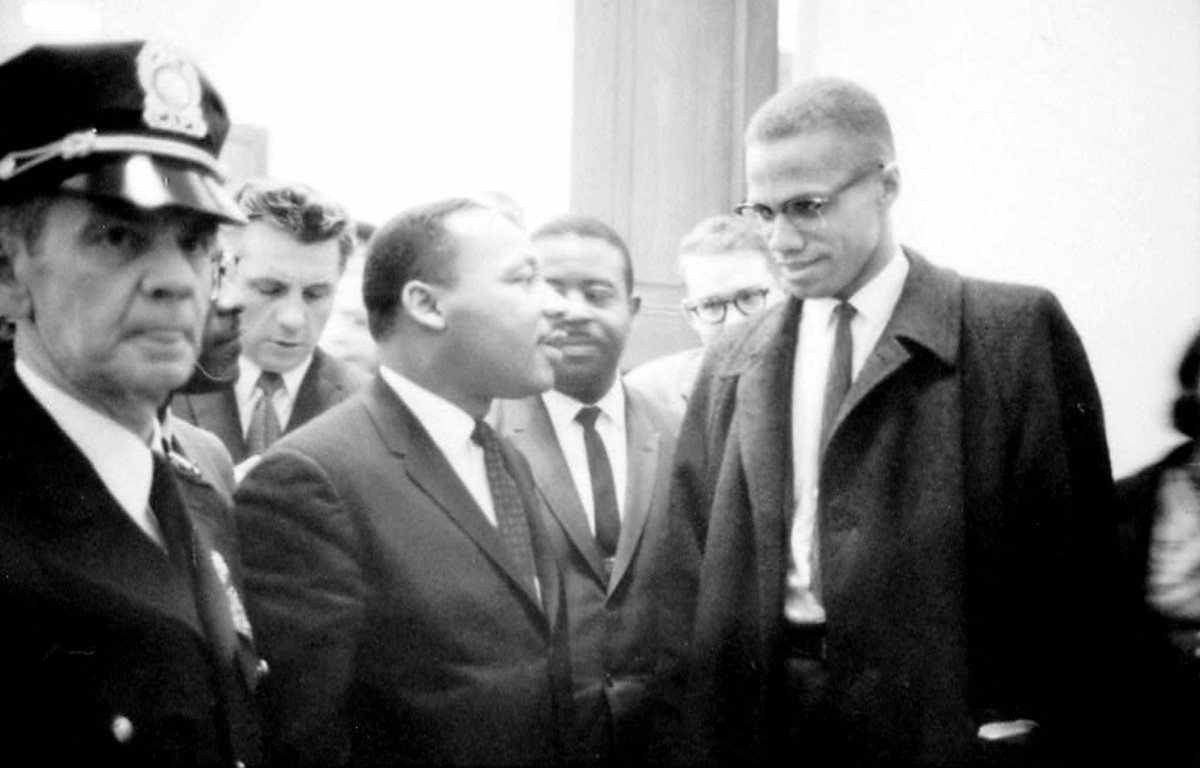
[(240, 764), (263, 668), (122, 729)]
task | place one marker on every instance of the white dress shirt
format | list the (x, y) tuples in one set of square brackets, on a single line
[(610, 425), (873, 305), (121, 458), (450, 427), (247, 392)]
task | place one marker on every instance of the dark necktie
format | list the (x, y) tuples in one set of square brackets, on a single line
[(212, 608), (264, 422), (604, 494), (173, 523), (506, 498), (841, 369)]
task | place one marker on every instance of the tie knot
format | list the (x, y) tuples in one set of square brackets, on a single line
[(483, 435), (587, 416), (844, 311), (270, 382)]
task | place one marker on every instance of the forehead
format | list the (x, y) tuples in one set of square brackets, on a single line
[(797, 164), (66, 212), (268, 251), (580, 257), (719, 273), (485, 240)]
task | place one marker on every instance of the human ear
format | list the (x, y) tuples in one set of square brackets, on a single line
[(14, 297), (421, 302)]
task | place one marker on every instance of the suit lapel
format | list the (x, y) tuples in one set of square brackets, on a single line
[(218, 413), (314, 391), (532, 432), (82, 534), (429, 470), (642, 448)]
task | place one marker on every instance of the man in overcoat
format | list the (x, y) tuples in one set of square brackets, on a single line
[(890, 513)]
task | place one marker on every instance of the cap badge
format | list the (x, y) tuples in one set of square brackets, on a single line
[(172, 87)]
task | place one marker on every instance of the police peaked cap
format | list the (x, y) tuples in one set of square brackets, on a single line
[(132, 121)]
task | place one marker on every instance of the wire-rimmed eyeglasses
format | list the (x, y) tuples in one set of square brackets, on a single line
[(804, 212)]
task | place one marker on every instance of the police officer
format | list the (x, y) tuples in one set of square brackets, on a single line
[(124, 641)]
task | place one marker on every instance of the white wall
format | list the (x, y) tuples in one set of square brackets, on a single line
[(379, 104), (1055, 142)]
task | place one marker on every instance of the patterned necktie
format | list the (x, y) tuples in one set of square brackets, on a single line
[(264, 422), (604, 494), (506, 498), (841, 370)]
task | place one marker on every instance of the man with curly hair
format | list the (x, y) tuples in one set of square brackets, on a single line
[(290, 258)]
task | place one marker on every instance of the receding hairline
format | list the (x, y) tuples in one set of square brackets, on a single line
[(825, 104)]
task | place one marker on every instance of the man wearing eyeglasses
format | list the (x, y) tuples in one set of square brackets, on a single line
[(724, 263), (891, 492)]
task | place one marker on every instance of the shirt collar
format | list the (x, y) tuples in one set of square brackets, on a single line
[(448, 425), (873, 302), (563, 408), (249, 371), (120, 457)]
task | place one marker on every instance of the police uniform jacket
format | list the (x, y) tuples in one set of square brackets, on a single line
[(112, 655)]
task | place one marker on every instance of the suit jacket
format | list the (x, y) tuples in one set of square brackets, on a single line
[(966, 536), (396, 623), (612, 620), (668, 380), (327, 382), (111, 654)]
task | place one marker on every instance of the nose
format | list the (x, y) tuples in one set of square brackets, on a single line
[(784, 236), (290, 313), (554, 306), (172, 276), (227, 299)]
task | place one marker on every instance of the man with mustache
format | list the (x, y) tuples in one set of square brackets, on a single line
[(401, 579), (601, 456), (891, 500), (125, 643)]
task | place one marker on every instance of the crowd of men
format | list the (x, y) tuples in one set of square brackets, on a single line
[(868, 522)]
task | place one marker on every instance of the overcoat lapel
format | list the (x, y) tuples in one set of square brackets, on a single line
[(533, 433), (927, 315), (315, 391), (642, 447), (764, 407), (429, 470)]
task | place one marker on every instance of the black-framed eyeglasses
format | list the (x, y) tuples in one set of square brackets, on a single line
[(712, 311), (224, 266), (804, 212)]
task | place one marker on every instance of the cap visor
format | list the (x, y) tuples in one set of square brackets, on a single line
[(150, 182)]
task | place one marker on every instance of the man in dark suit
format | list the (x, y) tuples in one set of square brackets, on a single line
[(289, 259), (601, 458), (125, 642), (400, 576), (891, 521)]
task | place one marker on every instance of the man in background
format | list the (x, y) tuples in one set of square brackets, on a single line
[(125, 643), (601, 458), (727, 278), (290, 258), (401, 579)]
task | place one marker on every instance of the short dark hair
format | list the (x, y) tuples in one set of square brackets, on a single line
[(825, 103), (299, 210), (588, 226), (1186, 411), (413, 245)]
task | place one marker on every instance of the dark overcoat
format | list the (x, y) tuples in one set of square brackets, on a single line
[(965, 534)]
